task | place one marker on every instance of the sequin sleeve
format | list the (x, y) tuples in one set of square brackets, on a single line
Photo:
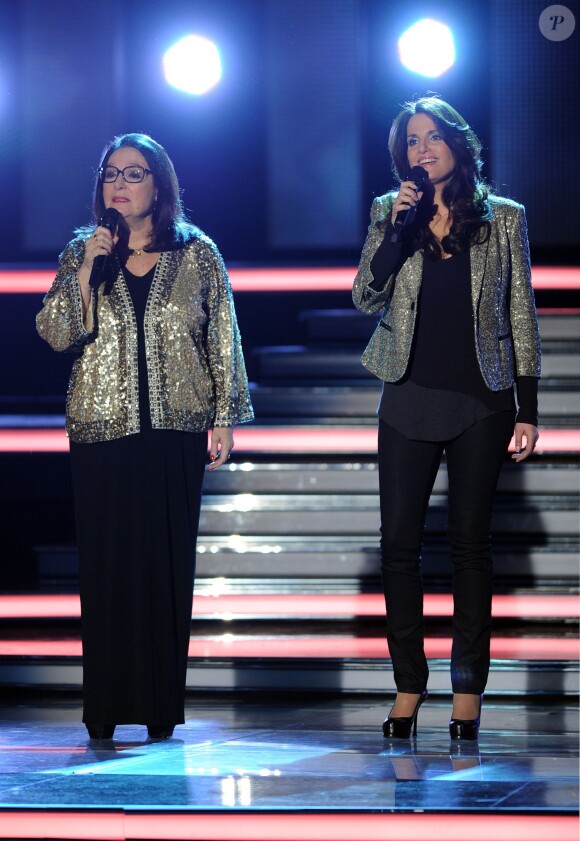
[(60, 321), (365, 298), (522, 310), (224, 348)]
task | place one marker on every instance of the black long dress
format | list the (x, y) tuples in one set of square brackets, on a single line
[(137, 503)]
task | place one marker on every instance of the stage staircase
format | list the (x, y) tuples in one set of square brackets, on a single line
[(288, 594)]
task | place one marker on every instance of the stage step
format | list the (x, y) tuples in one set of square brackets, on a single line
[(332, 563), (350, 325), (315, 404), (330, 664), (315, 514), (287, 517), (278, 363), (335, 340), (275, 641), (558, 407), (538, 476)]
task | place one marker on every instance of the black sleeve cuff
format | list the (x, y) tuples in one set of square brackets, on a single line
[(527, 394), (385, 259)]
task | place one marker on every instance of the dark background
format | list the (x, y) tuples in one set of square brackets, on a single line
[(280, 162)]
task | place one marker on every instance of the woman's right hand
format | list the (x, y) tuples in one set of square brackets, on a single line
[(99, 244), (407, 197)]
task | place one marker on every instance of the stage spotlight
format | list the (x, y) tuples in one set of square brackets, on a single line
[(427, 48), (193, 65)]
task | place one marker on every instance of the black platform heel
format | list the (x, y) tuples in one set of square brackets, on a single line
[(400, 728), (466, 728)]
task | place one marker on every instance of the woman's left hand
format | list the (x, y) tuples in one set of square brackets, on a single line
[(222, 443), (528, 432)]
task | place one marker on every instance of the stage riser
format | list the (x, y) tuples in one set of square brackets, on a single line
[(358, 477), (557, 405), (556, 408), (528, 678), (553, 570), (306, 502), (318, 568), (301, 519), (297, 362), (351, 325)]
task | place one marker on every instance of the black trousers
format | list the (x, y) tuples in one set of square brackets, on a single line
[(407, 472)]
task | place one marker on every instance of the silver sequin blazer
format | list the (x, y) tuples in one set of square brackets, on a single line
[(196, 372), (507, 340)]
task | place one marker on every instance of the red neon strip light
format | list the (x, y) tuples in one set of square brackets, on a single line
[(263, 439), (557, 277), (289, 279), (374, 648), (558, 311), (229, 646), (309, 605), (371, 604), (252, 825)]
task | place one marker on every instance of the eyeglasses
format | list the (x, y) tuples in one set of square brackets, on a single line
[(131, 174)]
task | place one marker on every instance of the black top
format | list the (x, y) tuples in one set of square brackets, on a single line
[(443, 391), (139, 290), (443, 355)]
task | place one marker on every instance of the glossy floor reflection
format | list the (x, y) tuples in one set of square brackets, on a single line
[(293, 755)]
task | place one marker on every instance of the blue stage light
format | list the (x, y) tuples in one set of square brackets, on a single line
[(427, 48), (193, 65)]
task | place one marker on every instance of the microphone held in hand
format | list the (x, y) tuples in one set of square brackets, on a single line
[(110, 221), (405, 217)]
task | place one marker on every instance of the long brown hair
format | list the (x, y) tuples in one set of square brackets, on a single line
[(465, 194)]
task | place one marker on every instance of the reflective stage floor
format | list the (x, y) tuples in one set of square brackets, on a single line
[(265, 756)]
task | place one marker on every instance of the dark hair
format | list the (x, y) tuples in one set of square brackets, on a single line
[(465, 194), (171, 229)]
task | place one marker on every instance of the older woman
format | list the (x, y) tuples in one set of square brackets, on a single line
[(448, 263), (145, 302)]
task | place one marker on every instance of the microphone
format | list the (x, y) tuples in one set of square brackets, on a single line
[(405, 217), (110, 221)]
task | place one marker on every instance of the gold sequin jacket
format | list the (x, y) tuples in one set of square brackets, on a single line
[(507, 340), (196, 372)]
